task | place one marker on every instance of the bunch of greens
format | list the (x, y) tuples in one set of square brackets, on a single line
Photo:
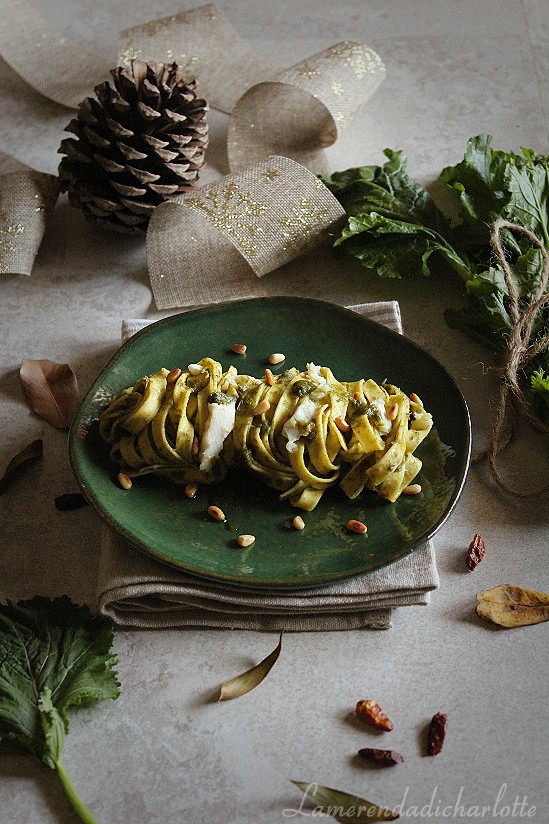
[(53, 655), (394, 227)]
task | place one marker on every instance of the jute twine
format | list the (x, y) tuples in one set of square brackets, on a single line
[(521, 350)]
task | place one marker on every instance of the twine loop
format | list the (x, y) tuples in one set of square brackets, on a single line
[(521, 350)]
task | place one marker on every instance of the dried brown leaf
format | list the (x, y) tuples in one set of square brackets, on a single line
[(51, 390), (248, 680), (513, 606), (344, 807), (27, 456)]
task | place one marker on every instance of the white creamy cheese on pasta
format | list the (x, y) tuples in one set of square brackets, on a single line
[(219, 424), (313, 373), (384, 424), (294, 427)]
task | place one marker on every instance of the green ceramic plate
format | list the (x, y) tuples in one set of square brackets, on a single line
[(155, 516)]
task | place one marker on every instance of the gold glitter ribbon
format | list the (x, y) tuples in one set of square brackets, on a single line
[(275, 209), (26, 198), (205, 46), (216, 243), (304, 108), (52, 64), (294, 112), (201, 41)]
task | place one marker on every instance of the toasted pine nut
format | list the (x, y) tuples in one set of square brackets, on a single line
[(342, 424), (195, 448), (172, 376), (298, 522), (124, 481), (413, 489), (356, 526), (195, 368), (191, 490), (239, 348), (416, 399), (276, 357), (269, 377), (245, 540), (262, 406), (392, 412), (216, 513)]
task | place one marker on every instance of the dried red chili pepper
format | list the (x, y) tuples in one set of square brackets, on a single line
[(477, 548), (372, 713), (385, 758), (437, 731)]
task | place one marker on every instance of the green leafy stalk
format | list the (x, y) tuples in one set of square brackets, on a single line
[(72, 795), (53, 655), (395, 228)]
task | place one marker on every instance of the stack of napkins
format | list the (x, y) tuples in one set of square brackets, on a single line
[(136, 590)]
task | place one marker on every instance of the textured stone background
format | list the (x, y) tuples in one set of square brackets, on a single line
[(164, 752)]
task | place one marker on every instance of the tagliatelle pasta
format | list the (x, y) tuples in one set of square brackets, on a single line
[(299, 432)]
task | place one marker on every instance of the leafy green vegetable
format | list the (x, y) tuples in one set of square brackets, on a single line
[(53, 655), (395, 227)]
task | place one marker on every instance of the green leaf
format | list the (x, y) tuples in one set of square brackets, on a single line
[(528, 183), (53, 655), (342, 806), (539, 383), (479, 182), (250, 679), (54, 726), (393, 224), (388, 189)]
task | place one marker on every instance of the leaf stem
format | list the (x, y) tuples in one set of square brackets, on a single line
[(73, 796)]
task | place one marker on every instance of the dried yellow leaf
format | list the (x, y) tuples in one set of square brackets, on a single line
[(512, 606), (248, 680)]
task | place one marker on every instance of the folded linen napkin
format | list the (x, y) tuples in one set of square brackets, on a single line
[(138, 591)]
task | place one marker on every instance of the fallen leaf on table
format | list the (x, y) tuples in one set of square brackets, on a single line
[(512, 606), (27, 456), (51, 390), (344, 807), (251, 678)]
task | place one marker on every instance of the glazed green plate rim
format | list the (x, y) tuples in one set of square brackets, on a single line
[(106, 498)]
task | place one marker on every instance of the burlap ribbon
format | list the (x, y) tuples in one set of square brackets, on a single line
[(241, 226), (205, 45), (304, 108), (26, 198), (248, 222)]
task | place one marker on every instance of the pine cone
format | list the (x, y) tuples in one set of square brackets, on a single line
[(143, 142)]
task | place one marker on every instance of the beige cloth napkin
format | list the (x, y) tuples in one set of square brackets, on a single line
[(138, 591)]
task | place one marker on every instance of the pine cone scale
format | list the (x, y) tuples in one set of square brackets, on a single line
[(130, 153)]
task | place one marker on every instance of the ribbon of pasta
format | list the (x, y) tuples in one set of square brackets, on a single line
[(287, 431)]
